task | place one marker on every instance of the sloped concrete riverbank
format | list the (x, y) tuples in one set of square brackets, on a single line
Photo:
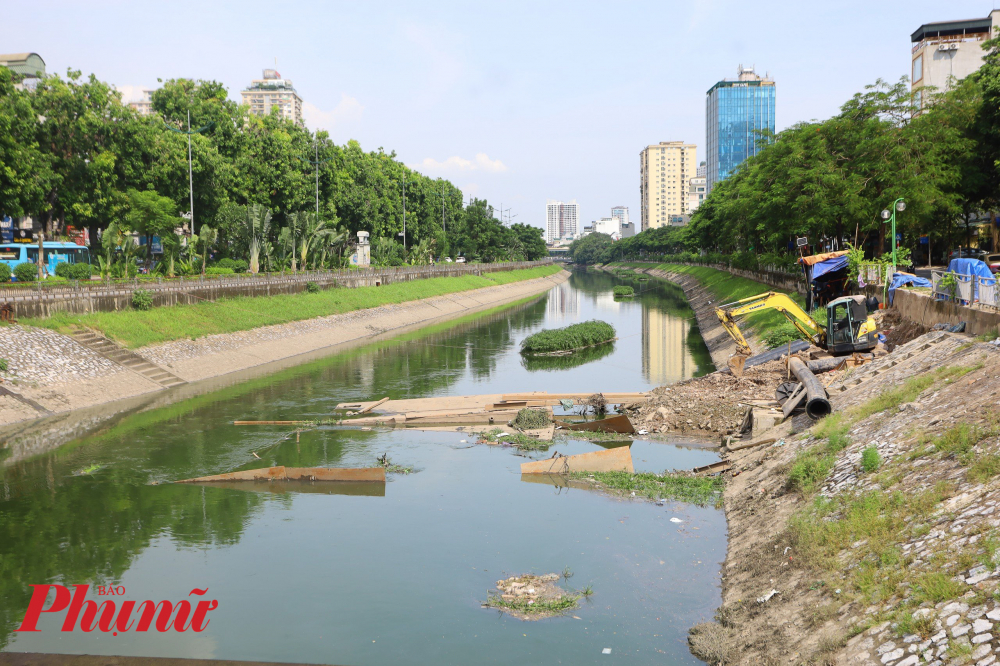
[(55, 374)]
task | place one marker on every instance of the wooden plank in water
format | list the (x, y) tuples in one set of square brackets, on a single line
[(613, 398), (714, 468), (619, 424), (271, 422), (371, 406), (281, 473), (610, 460)]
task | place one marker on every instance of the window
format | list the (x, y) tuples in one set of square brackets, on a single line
[(918, 68)]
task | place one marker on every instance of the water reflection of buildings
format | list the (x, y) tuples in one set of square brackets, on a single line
[(665, 356), (564, 301)]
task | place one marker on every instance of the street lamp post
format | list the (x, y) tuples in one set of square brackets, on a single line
[(897, 205), (315, 162), (189, 132)]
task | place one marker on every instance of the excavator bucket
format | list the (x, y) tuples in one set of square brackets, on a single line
[(736, 364)]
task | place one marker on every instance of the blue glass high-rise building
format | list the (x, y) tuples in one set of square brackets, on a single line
[(735, 112)]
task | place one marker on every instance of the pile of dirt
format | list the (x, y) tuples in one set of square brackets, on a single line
[(530, 597), (898, 329), (707, 405)]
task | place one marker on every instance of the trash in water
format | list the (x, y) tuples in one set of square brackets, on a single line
[(606, 651), (675, 519), (643, 432)]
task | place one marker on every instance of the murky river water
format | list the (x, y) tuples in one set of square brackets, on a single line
[(392, 577)]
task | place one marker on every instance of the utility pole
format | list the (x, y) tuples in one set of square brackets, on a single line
[(190, 174), (316, 161), (404, 216)]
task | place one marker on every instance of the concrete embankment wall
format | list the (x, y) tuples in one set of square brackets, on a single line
[(63, 376), (39, 300), (927, 311)]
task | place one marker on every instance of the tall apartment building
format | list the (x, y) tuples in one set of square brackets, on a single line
[(273, 91), (561, 220), (664, 171), (946, 50), (736, 110), (144, 105)]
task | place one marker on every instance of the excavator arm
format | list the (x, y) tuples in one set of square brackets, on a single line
[(771, 300)]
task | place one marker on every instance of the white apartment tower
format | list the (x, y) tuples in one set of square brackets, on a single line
[(273, 91), (947, 50), (561, 221), (665, 172)]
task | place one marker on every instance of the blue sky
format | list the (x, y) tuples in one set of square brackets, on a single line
[(517, 102)]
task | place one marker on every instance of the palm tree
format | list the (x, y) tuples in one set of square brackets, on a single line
[(206, 238), (257, 229), (314, 233)]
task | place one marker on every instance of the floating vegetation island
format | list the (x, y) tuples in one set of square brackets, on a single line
[(568, 339)]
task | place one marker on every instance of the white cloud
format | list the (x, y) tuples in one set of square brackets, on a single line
[(481, 162), (347, 111)]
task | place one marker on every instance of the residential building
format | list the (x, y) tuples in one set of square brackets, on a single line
[(611, 226), (701, 170), (273, 91), (947, 51), (29, 68), (621, 212), (628, 230), (664, 173), (679, 220), (561, 220), (736, 112), (144, 105), (696, 193)]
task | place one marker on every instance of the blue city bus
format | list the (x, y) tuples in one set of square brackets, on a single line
[(13, 254)]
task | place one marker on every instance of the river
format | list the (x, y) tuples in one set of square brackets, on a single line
[(380, 577)]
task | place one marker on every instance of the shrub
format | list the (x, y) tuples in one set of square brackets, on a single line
[(226, 263), (3, 365), (81, 271), (809, 469), (870, 459), (219, 270), (623, 290), (565, 339), (312, 287), (64, 270), (240, 265), (142, 299), (4, 272), (26, 272)]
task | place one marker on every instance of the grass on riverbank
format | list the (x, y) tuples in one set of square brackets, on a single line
[(576, 336), (134, 328), (774, 327)]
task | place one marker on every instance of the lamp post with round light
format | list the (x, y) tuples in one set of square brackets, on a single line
[(897, 205)]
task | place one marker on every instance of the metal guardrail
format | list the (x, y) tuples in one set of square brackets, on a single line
[(93, 288), (968, 290)]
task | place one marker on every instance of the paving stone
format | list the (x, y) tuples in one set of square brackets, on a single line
[(960, 630), (981, 652), (979, 626), (912, 660), (892, 656), (982, 638)]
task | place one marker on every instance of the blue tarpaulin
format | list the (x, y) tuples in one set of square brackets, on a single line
[(902, 279), (821, 268), (972, 267)]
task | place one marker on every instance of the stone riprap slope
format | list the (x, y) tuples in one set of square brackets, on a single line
[(872, 537)]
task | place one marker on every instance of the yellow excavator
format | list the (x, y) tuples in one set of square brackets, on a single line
[(849, 327)]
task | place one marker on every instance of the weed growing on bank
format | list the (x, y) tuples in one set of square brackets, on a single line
[(134, 328)]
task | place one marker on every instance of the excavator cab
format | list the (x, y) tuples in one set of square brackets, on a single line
[(849, 327)]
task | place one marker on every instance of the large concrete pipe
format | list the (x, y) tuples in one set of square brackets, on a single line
[(817, 405)]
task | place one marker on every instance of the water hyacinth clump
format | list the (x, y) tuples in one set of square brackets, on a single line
[(571, 337)]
